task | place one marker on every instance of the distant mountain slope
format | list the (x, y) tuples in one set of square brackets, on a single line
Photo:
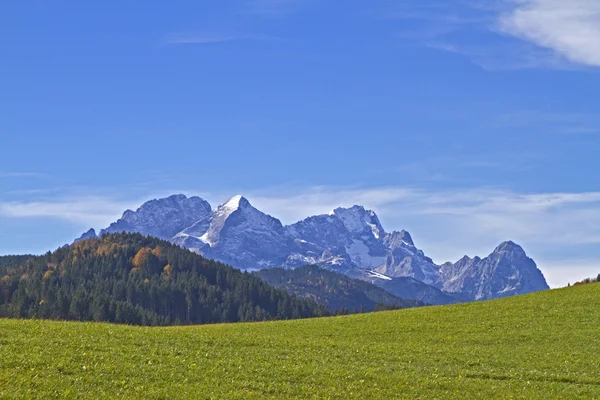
[(334, 290), (410, 288), (506, 272), (351, 241), (236, 233), (128, 278), (162, 218), (7, 261)]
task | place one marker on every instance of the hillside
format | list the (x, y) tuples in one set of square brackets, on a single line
[(544, 345), (334, 290), (128, 278), (6, 261)]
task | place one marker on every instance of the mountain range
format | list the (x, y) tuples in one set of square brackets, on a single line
[(349, 241)]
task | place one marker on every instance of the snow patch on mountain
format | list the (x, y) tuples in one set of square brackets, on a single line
[(359, 253), (351, 241)]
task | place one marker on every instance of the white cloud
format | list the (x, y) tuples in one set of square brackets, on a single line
[(86, 211), (519, 34), (570, 28), (559, 273)]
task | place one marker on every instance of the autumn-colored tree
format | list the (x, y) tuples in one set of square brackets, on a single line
[(141, 257), (116, 279)]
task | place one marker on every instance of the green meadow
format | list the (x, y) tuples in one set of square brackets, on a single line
[(544, 345)]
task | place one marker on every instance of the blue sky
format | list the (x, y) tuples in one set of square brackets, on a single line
[(466, 122)]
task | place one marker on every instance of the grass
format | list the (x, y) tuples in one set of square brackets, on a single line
[(544, 345)]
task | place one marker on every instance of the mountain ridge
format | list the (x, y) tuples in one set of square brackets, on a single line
[(351, 241)]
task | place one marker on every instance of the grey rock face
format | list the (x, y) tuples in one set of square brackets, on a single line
[(162, 218), (352, 235), (350, 241), (506, 272), (91, 234), (405, 260), (239, 234)]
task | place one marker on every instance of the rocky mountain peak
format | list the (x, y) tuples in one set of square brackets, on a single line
[(505, 272), (236, 202), (162, 218), (359, 220), (466, 260), (406, 238), (91, 234), (510, 247), (399, 239)]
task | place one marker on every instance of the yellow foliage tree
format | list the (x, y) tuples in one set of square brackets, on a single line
[(168, 270), (141, 257), (157, 251), (48, 274)]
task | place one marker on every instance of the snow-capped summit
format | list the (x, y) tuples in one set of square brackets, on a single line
[(234, 204), (241, 210), (238, 234)]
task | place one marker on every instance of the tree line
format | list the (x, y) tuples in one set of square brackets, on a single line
[(132, 279)]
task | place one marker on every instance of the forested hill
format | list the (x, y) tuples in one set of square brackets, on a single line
[(337, 291), (6, 261), (129, 278)]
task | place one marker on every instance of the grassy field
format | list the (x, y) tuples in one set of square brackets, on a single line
[(544, 345)]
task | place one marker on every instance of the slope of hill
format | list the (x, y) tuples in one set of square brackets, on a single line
[(129, 278), (7, 261), (544, 345), (334, 290)]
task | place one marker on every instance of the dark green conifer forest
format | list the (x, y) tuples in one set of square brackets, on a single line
[(341, 294), (132, 279)]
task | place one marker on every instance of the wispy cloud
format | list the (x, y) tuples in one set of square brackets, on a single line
[(22, 175), (86, 211), (210, 38), (568, 28), (507, 34), (499, 55), (559, 273)]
